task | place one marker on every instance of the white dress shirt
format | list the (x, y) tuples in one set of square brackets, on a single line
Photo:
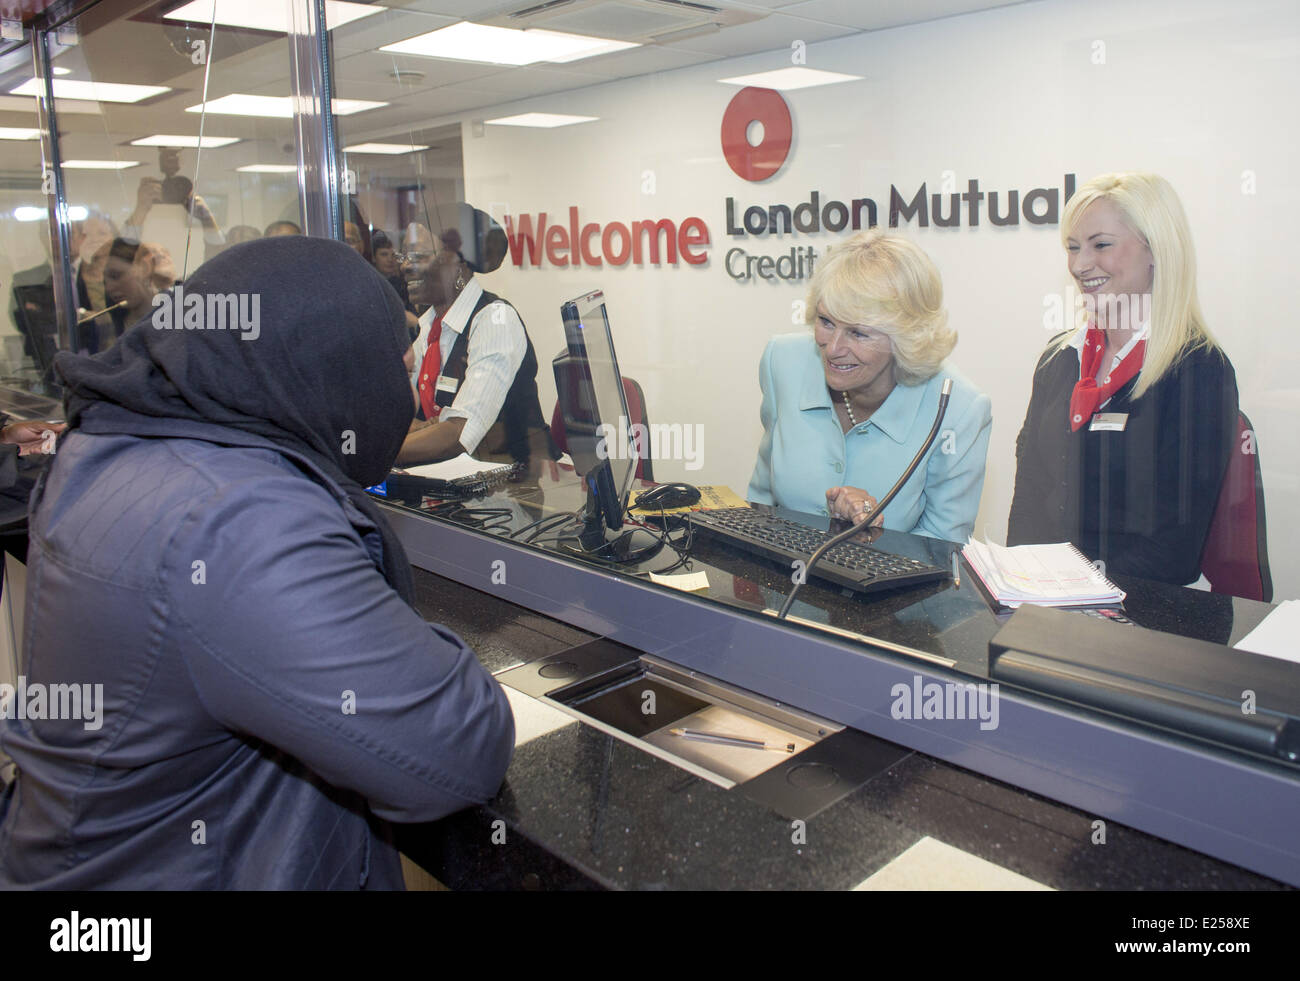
[(497, 345)]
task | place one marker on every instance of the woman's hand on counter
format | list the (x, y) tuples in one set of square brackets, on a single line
[(853, 504)]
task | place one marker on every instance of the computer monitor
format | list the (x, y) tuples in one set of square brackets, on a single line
[(598, 429)]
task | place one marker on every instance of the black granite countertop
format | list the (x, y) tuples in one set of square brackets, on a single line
[(580, 809)]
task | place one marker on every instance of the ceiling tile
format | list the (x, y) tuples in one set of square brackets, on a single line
[(773, 33), (520, 83), (640, 61), (377, 67), (874, 15)]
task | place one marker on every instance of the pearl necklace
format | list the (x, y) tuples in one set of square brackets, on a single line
[(849, 408)]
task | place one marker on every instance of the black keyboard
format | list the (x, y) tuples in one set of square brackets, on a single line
[(861, 568)]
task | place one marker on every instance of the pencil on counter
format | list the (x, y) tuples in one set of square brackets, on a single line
[(721, 740)]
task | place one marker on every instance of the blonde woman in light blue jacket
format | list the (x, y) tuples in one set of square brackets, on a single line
[(845, 409)]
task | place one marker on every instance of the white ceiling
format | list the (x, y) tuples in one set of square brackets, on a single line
[(141, 50)]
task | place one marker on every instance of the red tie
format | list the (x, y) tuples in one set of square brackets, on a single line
[(1088, 395), (430, 369)]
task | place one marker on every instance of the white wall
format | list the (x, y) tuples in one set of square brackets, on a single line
[(1014, 97)]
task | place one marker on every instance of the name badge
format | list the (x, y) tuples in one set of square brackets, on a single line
[(1108, 422), (446, 384)]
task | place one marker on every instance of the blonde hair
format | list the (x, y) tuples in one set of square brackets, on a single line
[(886, 282), (1150, 207)]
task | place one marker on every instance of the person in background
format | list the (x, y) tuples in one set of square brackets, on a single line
[(1133, 415), (21, 443), (173, 188), (845, 410), (418, 247), (352, 235), (282, 227), (202, 546), (476, 375), (133, 274), (242, 233), (33, 311), (386, 263)]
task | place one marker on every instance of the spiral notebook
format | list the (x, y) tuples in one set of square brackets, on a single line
[(1042, 575)]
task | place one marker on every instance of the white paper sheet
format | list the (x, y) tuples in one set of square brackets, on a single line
[(1278, 634), (458, 466)]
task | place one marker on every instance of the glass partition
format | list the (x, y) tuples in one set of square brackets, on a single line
[(30, 333), (176, 139), (707, 172), (701, 179)]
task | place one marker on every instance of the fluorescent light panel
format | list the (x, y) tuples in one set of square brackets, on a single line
[(99, 164), (504, 45), (69, 88), (788, 79), (16, 133), (274, 106), (268, 169), (541, 120), (391, 149), (583, 46), (261, 16), (186, 142)]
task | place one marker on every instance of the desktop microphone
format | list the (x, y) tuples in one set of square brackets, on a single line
[(830, 543)]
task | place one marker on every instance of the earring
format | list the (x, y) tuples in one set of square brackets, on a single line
[(460, 282)]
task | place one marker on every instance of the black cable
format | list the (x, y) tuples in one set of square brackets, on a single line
[(546, 523), (852, 530)]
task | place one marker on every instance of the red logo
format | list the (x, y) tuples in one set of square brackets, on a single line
[(750, 105)]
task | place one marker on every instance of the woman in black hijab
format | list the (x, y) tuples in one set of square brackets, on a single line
[(203, 551)]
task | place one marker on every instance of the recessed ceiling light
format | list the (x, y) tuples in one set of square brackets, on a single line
[(190, 142), (99, 164), (544, 120), (503, 45), (17, 133), (260, 16), (27, 212), (787, 79), (580, 45), (61, 71), (268, 169), (389, 148), (274, 106), (68, 88)]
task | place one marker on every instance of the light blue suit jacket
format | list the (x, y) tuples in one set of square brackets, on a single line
[(804, 451)]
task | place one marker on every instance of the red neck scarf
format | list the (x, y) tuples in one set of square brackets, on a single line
[(430, 369), (1088, 396)]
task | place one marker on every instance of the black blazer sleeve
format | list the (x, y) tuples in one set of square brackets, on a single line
[(1164, 534), (1037, 510)]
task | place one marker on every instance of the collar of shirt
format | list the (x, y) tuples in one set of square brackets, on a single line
[(1076, 342), (894, 418), (457, 315)]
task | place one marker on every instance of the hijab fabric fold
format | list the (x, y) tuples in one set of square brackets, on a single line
[(305, 359)]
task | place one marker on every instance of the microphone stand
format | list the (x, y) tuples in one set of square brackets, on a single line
[(99, 313), (830, 543)]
